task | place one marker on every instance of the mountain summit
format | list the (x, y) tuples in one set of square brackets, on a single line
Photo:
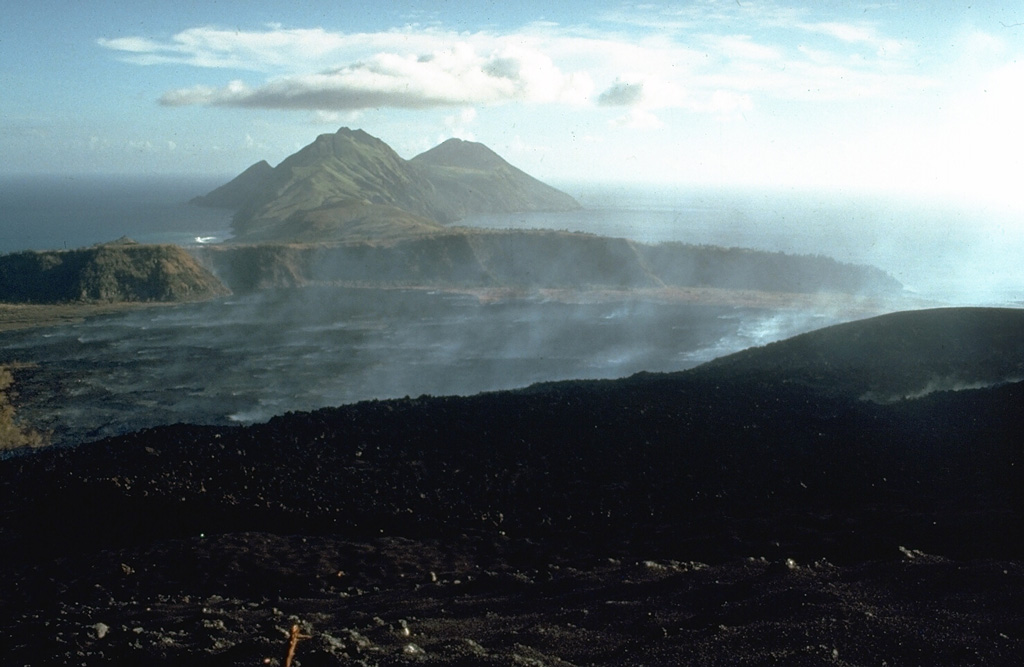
[(351, 179), (463, 154), (474, 179)]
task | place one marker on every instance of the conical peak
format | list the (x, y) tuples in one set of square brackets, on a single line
[(461, 153), (346, 143)]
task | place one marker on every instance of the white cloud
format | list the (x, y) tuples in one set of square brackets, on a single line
[(639, 119), (418, 68), (858, 34), (622, 93), (728, 102), (457, 125), (742, 47), (273, 49), (452, 77)]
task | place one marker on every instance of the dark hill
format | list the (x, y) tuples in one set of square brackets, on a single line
[(893, 356), (338, 173), (691, 462), (742, 513), (112, 272)]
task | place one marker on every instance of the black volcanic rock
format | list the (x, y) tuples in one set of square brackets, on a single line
[(895, 356), (339, 173), (682, 462), (240, 190), (121, 271), (748, 512)]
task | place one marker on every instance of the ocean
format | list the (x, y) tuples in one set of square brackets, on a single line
[(952, 253), (55, 213)]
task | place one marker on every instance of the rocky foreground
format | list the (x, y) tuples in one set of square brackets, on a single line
[(785, 506)]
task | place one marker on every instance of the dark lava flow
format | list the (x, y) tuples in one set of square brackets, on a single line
[(247, 358)]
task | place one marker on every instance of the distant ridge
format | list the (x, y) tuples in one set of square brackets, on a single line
[(477, 180), (340, 173), (461, 154)]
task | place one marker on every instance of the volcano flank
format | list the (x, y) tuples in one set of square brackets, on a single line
[(851, 495), (754, 510)]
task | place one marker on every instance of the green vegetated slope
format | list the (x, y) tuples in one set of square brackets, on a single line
[(351, 175), (473, 179), (348, 220), (122, 271)]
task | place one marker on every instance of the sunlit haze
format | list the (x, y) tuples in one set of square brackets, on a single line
[(918, 98)]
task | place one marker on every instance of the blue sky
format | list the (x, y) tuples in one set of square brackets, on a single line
[(908, 96)]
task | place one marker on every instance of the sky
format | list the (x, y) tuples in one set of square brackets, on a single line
[(916, 97)]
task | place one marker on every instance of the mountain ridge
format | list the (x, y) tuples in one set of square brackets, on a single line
[(351, 169)]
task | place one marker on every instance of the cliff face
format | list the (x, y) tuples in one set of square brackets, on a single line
[(534, 259), (351, 175), (117, 272)]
